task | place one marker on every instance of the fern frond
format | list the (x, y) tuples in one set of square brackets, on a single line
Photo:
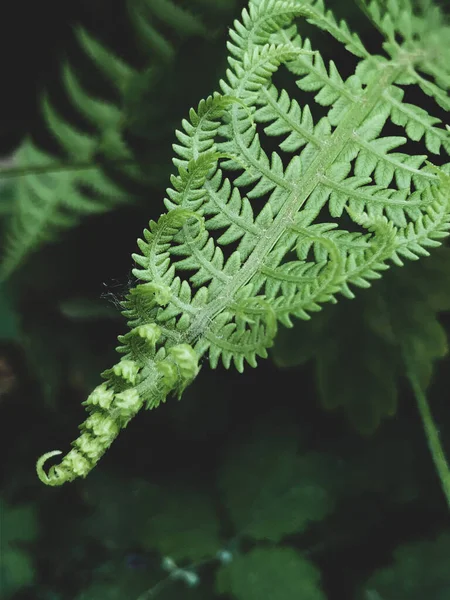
[(251, 238), (100, 156), (45, 203)]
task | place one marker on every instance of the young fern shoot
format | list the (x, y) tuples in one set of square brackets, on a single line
[(197, 297)]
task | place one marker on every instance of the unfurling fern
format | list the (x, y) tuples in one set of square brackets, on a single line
[(250, 240)]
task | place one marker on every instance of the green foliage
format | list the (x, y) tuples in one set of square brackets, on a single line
[(113, 586), (9, 319), (46, 202), (6, 189), (270, 489), (96, 163), (187, 530), (419, 570), (18, 526), (271, 573), (181, 530), (261, 530), (357, 346), (302, 180), (194, 295), (115, 583)]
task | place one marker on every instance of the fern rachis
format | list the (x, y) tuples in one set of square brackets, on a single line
[(195, 299)]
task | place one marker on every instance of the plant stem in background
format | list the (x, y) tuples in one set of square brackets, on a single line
[(431, 432)]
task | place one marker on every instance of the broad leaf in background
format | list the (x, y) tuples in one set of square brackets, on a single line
[(162, 521), (356, 370), (271, 489), (181, 523), (175, 520), (17, 527), (270, 574), (118, 508), (420, 570), (357, 344), (407, 311)]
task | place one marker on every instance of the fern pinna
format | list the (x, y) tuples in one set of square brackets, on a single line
[(251, 240)]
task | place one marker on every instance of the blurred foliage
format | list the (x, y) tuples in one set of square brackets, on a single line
[(401, 310), (248, 486), (19, 525), (9, 319), (271, 490), (420, 570), (103, 139), (271, 573)]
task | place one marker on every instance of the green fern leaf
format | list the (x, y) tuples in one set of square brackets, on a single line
[(96, 158), (300, 228), (47, 201)]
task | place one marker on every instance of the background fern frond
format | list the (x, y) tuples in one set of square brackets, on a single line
[(112, 138), (46, 203)]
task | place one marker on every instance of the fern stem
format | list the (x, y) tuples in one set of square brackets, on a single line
[(431, 432)]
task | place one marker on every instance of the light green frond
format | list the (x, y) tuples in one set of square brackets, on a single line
[(323, 18), (253, 236), (425, 32), (417, 122), (286, 117), (260, 21)]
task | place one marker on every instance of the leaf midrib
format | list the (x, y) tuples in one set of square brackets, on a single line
[(310, 179)]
